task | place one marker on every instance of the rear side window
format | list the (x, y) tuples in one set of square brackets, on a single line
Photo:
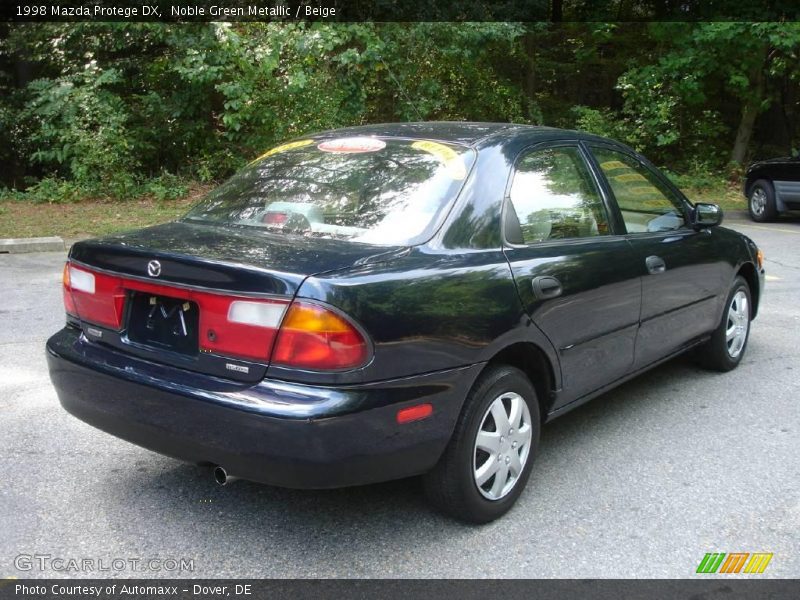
[(646, 204), (383, 191), (554, 196)]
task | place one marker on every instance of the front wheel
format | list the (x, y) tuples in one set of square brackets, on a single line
[(725, 349), (761, 203), (488, 461)]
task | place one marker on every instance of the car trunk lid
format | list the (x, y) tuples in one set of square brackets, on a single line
[(201, 297), (243, 259)]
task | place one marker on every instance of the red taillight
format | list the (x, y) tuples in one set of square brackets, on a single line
[(235, 326), (309, 336), (94, 297), (314, 337)]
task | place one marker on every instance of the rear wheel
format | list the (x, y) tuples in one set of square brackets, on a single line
[(488, 461), (761, 203), (725, 349)]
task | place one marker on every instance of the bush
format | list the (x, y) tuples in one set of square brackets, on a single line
[(52, 190), (165, 187), (78, 127)]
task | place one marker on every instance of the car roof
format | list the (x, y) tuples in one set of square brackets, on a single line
[(462, 132)]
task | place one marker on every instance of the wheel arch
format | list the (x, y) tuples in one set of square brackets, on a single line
[(748, 272), (534, 362), (751, 180), (748, 184), (751, 177)]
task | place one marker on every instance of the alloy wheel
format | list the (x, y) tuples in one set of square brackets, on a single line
[(758, 201), (738, 324)]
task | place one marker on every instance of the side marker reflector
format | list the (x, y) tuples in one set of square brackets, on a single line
[(414, 413)]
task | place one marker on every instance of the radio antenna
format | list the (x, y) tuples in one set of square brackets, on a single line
[(400, 87)]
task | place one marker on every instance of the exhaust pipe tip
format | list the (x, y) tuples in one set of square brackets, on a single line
[(221, 476)]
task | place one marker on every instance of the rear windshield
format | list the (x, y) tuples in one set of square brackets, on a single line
[(371, 190)]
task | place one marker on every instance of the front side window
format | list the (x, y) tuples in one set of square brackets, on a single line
[(647, 205), (554, 197), (383, 191)]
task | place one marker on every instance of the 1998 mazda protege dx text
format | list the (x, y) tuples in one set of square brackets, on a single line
[(386, 301)]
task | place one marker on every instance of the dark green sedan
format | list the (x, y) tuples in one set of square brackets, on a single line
[(397, 300)]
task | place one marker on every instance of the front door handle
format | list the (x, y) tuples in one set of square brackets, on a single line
[(545, 287), (655, 265)]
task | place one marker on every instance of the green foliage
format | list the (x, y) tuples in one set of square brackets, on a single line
[(78, 128), (49, 190), (674, 100), (128, 109), (165, 187), (53, 190), (602, 121)]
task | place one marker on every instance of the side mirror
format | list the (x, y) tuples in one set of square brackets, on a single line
[(706, 215)]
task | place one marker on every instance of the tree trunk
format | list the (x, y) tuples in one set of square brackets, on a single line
[(750, 110), (744, 133), (557, 11)]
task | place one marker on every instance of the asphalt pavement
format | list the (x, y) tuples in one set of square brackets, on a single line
[(641, 482)]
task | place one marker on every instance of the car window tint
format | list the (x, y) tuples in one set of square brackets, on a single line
[(647, 205), (555, 197)]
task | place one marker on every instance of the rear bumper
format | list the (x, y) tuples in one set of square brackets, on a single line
[(273, 432)]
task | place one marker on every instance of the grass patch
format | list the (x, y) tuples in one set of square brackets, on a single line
[(727, 196), (89, 218), (716, 189)]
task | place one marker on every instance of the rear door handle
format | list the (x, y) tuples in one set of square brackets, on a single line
[(655, 265), (545, 287)]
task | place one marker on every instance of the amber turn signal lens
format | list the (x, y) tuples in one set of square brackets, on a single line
[(69, 303), (314, 319), (317, 338)]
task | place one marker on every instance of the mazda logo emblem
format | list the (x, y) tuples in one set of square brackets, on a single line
[(154, 268)]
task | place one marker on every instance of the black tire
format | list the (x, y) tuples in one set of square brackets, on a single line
[(761, 201), (451, 486), (715, 353)]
